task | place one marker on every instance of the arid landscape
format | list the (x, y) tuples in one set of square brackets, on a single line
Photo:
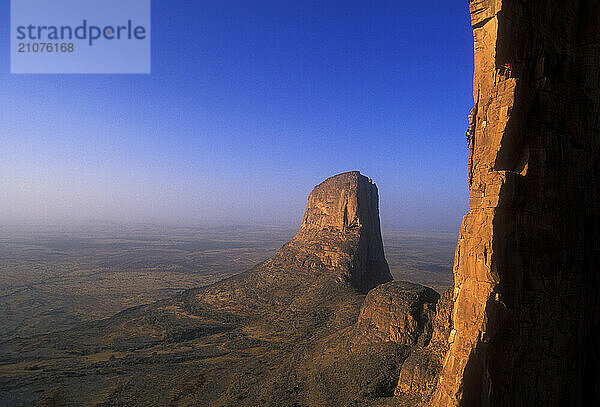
[(339, 310), (285, 332), (54, 278)]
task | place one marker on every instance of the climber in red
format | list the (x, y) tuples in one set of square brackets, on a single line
[(507, 70)]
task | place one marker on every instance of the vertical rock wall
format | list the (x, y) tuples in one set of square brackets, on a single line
[(527, 276)]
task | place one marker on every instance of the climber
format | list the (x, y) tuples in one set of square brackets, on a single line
[(507, 70), (471, 128)]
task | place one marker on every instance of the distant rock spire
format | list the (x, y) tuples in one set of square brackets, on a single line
[(341, 234), (338, 244)]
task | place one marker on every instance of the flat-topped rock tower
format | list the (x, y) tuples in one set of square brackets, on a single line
[(341, 234), (338, 244)]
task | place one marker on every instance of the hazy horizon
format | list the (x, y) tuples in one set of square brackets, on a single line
[(91, 225), (244, 113)]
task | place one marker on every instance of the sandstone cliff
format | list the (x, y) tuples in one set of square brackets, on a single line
[(341, 233), (525, 314)]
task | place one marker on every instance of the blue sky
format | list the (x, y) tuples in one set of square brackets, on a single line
[(249, 105)]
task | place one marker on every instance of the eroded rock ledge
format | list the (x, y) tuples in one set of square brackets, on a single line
[(397, 311)]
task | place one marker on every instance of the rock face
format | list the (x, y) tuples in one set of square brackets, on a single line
[(397, 311), (341, 234), (525, 314)]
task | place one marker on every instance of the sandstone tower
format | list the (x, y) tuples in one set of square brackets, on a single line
[(341, 231)]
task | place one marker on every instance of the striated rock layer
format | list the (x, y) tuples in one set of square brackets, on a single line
[(527, 276)]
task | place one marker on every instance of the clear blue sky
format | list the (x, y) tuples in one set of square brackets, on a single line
[(249, 105)]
